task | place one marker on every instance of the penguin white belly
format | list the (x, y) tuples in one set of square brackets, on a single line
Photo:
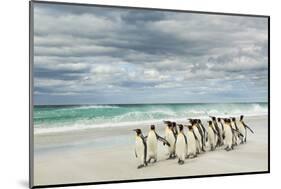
[(166, 131), (228, 136), (139, 149), (241, 129), (171, 139), (211, 136), (181, 146), (152, 144), (191, 143), (235, 134)]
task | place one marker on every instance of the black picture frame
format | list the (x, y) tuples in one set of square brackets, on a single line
[(31, 62)]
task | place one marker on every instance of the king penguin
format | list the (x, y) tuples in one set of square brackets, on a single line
[(237, 130), (197, 135), (234, 130), (211, 136), (204, 134), (222, 127), (181, 143), (140, 148), (191, 142), (228, 135), (171, 139), (218, 130), (243, 128), (152, 145), (167, 126)]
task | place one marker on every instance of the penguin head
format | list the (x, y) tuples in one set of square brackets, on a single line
[(233, 119), (228, 121), (189, 127), (174, 124), (152, 127), (138, 131), (219, 119), (213, 118), (199, 121), (241, 117), (180, 127), (210, 123), (191, 121), (170, 125), (167, 122)]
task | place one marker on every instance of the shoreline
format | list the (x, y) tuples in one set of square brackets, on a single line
[(98, 154)]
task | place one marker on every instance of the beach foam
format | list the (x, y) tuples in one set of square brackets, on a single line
[(62, 119)]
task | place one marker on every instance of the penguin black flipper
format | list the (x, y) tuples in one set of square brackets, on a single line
[(195, 137), (162, 139), (145, 149), (247, 127), (185, 139), (204, 130), (214, 131), (200, 130), (239, 134), (136, 153), (222, 127)]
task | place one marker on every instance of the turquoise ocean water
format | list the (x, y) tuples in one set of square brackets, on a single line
[(61, 118)]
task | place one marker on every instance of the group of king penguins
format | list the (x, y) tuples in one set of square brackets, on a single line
[(181, 144)]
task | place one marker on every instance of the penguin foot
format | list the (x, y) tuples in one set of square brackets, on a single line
[(140, 166), (155, 160), (170, 157), (227, 149), (193, 156), (180, 162)]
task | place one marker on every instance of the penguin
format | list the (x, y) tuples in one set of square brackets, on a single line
[(200, 135), (234, 130), (237, 131), (228, 135), (204, 134), (243, 128), (222, 127), (140, 148), (197, 135), (219, 134), (152, 145), (167, 127), (171, 139), (191, 142), (181, 144), (212, 133)]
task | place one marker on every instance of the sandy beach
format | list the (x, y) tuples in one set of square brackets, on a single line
[(107, 154)]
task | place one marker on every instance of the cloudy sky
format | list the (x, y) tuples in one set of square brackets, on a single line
[(92, 55)]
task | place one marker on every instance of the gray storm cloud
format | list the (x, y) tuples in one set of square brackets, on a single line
[(111, 55)]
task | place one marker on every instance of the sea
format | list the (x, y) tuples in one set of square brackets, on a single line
[(63, 118)]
